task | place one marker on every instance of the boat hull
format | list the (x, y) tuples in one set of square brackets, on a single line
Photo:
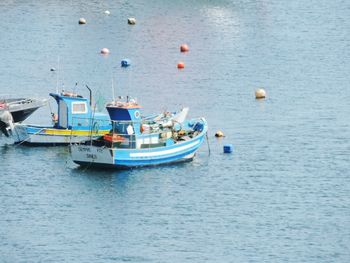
[(36, 135), (21, 108), (93, 156), (21, 115), (125, 167)]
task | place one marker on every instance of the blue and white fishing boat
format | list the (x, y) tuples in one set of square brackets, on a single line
[(136, 141), (72, 123)]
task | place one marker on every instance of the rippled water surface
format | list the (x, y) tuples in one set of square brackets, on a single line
[(282, 196)]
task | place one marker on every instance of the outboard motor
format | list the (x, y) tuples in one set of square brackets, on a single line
[(6, 123)]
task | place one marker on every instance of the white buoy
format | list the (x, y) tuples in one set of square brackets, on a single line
[(260, 94), (219, 134), (105, 51), (82, 21), (107, 12), (131, 21)]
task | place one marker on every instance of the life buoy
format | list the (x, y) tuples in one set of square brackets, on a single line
[(137, 114)]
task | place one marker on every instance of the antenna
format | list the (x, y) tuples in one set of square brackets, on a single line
[(58, 72), (113, 90)]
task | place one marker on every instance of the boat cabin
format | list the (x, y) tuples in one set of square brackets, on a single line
[(129, 130), (74, 111)]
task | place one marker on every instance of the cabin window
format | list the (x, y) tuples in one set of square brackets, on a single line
[(79, 107)]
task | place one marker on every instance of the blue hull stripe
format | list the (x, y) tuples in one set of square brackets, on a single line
[(146, 162), (123, 157)]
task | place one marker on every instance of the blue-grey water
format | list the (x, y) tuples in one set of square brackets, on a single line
[(282, 196)]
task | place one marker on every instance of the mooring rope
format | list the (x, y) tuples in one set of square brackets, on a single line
[(27, 137), (206, 135)]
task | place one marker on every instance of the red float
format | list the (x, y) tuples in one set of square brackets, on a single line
[(180, 65), (184, 48)]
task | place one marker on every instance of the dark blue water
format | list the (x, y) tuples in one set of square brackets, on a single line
[(282, 196)]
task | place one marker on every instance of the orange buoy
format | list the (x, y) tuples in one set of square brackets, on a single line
[(180, 65), (184, 48), (105, 51)]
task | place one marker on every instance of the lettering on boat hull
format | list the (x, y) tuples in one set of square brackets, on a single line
[(87, 154)]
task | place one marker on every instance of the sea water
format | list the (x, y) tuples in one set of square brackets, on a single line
[(283, 195)]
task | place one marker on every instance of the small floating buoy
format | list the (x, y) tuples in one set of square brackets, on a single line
[(82, 21), (219, 134), (125, 63), (228, 148), (105, 51), (131, 21), (52, 69), (107, 12), (260, 94), (180, 65), (184, 48)]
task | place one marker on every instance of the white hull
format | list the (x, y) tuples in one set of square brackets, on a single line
[(90, 154)]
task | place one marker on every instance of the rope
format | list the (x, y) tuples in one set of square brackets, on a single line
[(28, 137), (206, 135)]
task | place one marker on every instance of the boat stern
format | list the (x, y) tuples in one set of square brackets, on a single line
[(91, 155)]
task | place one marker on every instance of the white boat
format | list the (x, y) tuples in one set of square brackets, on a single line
[(16, 109)]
